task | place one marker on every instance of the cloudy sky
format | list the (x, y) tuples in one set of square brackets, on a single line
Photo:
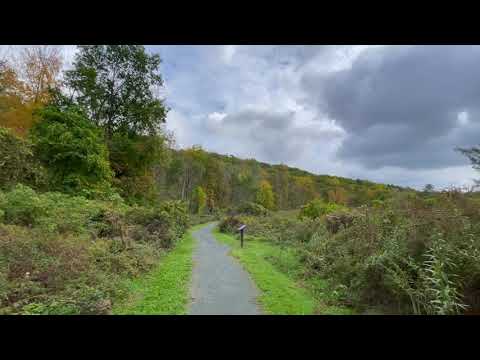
[(391, 114)]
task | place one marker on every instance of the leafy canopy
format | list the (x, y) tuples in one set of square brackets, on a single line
[(116, 84), (265, 196), (317, 208), (72, 149), (199, 200), (17, 163)]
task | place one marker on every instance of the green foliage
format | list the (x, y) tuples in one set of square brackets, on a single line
[(53, 211), (317, 208), (410, 255), (133, 158), (229, 181), (410, 261), (73, 151), (133, 155), (17, 163), (49, 263), (114, 83), (250, 208), (230, 225), (265, 196), (63, 274), (162, 225), (199, 200)]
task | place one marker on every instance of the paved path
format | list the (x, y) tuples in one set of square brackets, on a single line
[(220, 286)]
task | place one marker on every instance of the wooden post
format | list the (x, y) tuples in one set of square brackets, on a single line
[(241, 228)]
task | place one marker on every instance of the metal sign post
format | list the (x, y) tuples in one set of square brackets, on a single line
[(241, 229)]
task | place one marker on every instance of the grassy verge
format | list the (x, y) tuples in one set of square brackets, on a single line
[(276, 271), (165, 290)]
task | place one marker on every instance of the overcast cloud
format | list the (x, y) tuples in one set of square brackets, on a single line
[(392, 114)]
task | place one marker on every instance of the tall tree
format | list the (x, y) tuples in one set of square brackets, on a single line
[(199, 200), (16, 112), (302, 191), (473, 154), (40, 68), (338, 195), (281, 186), (27, 83), (116, 84), (428, 188), (215, 181), (265, 195), (193, 170)]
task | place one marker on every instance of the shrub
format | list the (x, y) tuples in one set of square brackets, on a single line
[(49, 273), (254, 209), (72, 149), (162, 225), (230, 225), (340, 220), (17, 163), (412, 257), (55, 212), (317, 208)]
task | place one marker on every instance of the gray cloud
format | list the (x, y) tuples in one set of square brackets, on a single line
[(387, 114), (273, 136), (400, 104)]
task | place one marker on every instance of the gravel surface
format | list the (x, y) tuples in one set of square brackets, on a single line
[(220, 286)]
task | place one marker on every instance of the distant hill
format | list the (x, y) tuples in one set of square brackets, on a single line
[(228, 180)]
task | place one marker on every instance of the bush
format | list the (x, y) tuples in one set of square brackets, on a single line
[(254, 209), (411, 257), (72, 149), (17, 163), (162, 225), (43, 273), (317, 208), (340, 220), (55, 212), (230, 225), (63, 254)]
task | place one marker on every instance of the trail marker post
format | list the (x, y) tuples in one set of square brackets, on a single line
[(241, 229)]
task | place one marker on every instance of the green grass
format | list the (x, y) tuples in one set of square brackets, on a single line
[(165, 290), (277, 273)]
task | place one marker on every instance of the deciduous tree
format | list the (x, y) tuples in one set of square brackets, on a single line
[(116, 84), (72, 149), (265, 195), (199, 200)]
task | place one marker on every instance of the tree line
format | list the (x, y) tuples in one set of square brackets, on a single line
[(98, 129)]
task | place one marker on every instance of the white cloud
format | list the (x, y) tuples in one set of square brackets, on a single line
[(268, 102), (228, 53)]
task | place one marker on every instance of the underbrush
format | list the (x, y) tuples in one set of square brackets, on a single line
[(410, 255), (62, 254)]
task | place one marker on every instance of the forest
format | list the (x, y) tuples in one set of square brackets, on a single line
[(94, 193)]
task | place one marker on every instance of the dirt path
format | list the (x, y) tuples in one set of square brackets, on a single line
[(220, 286)]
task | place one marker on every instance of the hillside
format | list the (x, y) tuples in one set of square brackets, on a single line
[(227, 181), (100, 215)]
